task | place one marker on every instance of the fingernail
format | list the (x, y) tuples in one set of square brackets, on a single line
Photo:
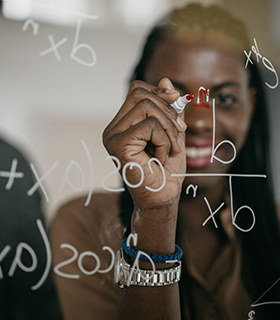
[(171, 91), (181, 123)]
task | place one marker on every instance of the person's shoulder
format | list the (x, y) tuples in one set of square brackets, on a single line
[(9, 151), (84, 240), (99, 207), (97, 220), (91, 202)]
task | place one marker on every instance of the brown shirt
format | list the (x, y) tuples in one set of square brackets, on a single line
[(80, 239)]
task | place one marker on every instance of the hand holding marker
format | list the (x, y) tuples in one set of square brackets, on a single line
[(181, 102)]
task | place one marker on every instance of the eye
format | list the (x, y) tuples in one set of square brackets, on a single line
[(225, 100)]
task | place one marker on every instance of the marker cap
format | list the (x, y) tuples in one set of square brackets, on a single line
[(181, 102)]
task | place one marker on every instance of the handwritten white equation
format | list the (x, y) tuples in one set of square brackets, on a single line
[(64, 6), (268, 65)]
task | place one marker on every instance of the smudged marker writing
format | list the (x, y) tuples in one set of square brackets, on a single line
[(181, 102)]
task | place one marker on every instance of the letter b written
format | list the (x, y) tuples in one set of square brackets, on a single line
[(77, 47)]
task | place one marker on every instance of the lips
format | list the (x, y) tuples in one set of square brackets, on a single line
[(198, 153), (194, 153)]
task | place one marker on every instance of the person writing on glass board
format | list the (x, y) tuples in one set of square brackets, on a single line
[(196, 182)]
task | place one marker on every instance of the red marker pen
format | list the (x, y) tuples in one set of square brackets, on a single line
[(181, 102)]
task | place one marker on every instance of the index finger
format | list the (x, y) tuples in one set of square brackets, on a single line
[(140, 91)]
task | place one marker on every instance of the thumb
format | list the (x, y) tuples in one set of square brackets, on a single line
[(172, 95), (165, 83), (167, 92)]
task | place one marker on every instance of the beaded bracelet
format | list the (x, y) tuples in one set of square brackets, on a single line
[(155, 257)]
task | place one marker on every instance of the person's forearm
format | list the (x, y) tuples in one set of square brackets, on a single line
[(156, 229), (149, 303)]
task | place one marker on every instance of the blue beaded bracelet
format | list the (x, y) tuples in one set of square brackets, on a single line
[(155, 257)]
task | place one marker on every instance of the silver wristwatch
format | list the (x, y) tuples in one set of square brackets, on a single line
[(125, 275)]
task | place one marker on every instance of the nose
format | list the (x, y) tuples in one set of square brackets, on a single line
[(198, 119)]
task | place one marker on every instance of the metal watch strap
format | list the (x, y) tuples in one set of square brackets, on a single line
[(141, 277)]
